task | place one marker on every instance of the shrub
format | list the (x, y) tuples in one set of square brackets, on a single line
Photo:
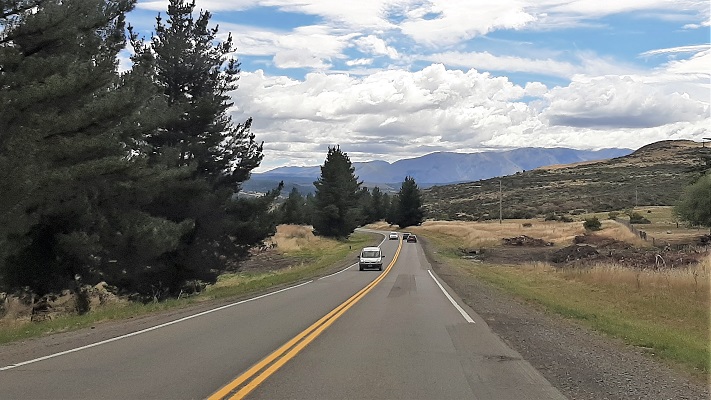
[(565, 218), (613, 214), (592, 224), (637, 218)]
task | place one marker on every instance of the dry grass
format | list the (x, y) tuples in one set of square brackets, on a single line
[(290, 238), (664, 224), (665, 312), (617, 231), (486, 234), (695, 280)]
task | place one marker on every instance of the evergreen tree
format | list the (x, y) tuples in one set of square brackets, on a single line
[(365, 204), (410, 211), (379, 204), (335, 213), (392, 214), (292, 210), (71, 156), (202, 145), (309, 207), (197, 75), (695, 204)]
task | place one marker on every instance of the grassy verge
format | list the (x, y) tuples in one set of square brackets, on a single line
[(666, 313), (310, 259)]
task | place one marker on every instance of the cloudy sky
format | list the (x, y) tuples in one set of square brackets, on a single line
[(393, 79)]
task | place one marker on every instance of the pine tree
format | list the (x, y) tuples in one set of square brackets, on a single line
[(70, 149), (378, 206), (292, 210), (365, 204), (209, 153), (197, 77), (410, 211), (392, 215), (336, 200)]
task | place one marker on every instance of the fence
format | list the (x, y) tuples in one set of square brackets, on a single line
[(658, 242)]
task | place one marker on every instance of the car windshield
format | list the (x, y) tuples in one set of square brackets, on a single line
[(370, 254)]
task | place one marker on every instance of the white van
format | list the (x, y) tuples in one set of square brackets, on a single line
[(371, 257)]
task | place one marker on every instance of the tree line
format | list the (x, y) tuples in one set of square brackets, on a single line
[(341, 203), (132, 177)]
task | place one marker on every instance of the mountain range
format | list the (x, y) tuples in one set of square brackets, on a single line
[(433, 169)]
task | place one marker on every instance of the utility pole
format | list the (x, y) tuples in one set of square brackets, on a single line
[(501, 219)]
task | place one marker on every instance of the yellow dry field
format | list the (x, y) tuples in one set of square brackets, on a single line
[(490, 233), (296, 237)]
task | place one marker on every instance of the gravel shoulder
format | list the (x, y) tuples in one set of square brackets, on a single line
[(581, 363)]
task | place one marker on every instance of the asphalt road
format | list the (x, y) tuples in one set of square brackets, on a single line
[(403, 339)]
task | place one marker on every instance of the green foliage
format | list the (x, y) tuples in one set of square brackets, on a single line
[(695, 204), (196, 74), (592, 224), (292, 211), (409, 209), (71, 148), (637, 218), (566, 218), (336, 212), (613, 215), (129, 178), (378, 208), (393, 211)]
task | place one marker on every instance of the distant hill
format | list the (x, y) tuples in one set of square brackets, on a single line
[(653, 175), (434, 169)]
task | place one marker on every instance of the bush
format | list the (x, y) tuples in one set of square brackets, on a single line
[(592, 224), (551, 217), (565, 218), (637, 218), (613, 215)]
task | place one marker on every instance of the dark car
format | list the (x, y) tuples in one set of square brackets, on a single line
[(405, 235), (412, 238)]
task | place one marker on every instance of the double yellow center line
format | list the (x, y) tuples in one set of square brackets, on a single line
[(259, 372)]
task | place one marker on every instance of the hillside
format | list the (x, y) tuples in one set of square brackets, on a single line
[(653, 175), (433, 169)]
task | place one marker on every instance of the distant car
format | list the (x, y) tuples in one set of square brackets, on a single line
[(405, 235), (371, 257), (393, 236), (412, 238)]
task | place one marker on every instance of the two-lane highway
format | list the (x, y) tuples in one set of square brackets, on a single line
[(402, 339), (407, 340)]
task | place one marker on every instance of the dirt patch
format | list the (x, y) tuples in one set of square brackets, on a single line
[(525, 241), (585, 250), (265, 261), (573, 253)]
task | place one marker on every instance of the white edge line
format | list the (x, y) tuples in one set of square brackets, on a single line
[(61, 353), (454, 303), (336, 273)]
